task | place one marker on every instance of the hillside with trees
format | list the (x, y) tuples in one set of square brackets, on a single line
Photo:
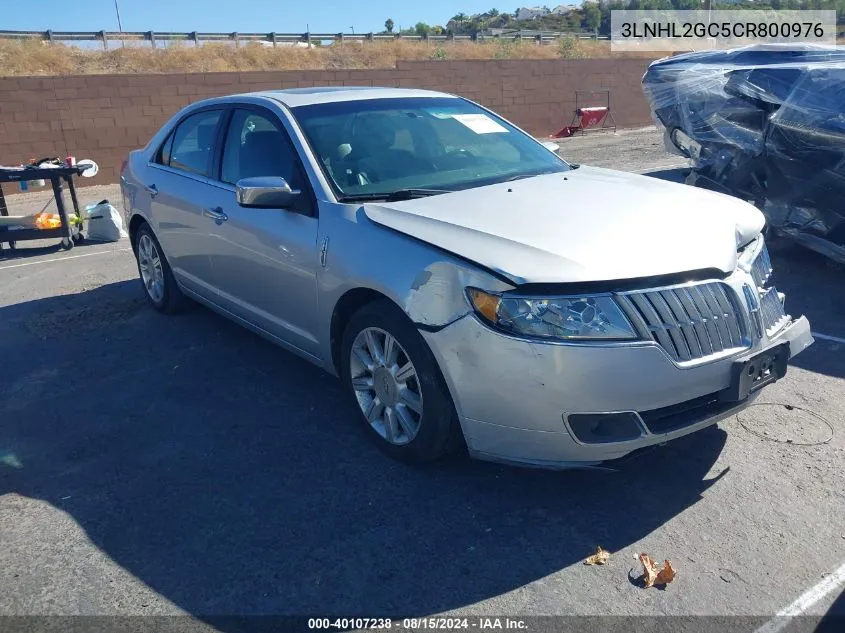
[(32, 57), (590, 17)]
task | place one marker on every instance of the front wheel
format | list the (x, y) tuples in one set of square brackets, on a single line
[(393, 379)]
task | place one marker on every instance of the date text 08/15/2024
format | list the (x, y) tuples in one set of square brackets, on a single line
[(417, 624)]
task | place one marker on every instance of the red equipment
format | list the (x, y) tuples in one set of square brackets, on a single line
[(589, 117)]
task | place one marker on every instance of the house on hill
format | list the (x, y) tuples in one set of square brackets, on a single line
[(531, 13)]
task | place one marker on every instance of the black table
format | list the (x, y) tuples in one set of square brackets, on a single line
[(56, 176)]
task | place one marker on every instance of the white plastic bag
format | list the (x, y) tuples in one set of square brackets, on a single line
[(103, 222)]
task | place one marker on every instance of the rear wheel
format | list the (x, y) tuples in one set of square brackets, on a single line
[(160, 287), (393, 379)]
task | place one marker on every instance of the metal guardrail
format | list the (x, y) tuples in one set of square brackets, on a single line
[(279, 39)]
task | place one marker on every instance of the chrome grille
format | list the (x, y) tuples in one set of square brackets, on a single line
[(761, 269), (691, 322), (752, 300), (771, 311), (765, 305)]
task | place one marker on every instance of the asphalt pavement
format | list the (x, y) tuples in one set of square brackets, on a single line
[(154, 465)]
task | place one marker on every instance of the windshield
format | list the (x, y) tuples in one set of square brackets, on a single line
[(377, 147)]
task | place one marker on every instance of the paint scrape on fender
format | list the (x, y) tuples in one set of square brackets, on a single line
[(436, 296)]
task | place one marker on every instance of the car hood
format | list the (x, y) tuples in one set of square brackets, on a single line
[(587, 224)]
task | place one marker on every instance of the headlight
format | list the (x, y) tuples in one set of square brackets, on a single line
[(562, 318)]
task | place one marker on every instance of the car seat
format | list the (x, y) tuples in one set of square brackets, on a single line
[(266, 153)]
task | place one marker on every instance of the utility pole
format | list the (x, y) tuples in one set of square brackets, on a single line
[(119, 25)]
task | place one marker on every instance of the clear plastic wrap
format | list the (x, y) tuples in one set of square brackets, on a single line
[(766, 124)]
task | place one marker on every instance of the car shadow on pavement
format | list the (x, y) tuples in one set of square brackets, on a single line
[(833, 621), (672, 174), (232, 478)]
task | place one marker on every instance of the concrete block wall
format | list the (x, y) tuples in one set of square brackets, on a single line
[(105, 116)]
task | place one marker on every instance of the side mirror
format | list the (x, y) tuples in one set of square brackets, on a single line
[(551, 146), (265, 193)]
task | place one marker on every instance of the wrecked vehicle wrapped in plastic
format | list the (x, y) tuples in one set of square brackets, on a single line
[(764, 123), (466, 284)]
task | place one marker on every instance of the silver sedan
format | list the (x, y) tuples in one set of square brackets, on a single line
[(467, 285)]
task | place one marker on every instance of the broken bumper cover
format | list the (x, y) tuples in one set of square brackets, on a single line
[(519, 400)]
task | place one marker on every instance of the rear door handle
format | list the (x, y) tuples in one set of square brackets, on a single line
[(216, 214), (152, 190)]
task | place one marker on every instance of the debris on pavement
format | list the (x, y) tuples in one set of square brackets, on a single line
[(652, 576), (666, 575), (599, 558)]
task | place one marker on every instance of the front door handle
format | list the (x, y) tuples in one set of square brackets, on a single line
[(152, 190), (216, 214)]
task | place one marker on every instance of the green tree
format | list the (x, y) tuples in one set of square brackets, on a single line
[(460, 18), (388, 24), (592, 16), (493, 13), (570, 48), (573, 21), (422, 29)]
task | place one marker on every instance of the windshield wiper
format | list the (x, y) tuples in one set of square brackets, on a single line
[(519, 177), (531, 175), (407, 194), (393, 196)]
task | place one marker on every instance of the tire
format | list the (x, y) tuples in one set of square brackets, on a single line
[(437, 430), (166, 297)]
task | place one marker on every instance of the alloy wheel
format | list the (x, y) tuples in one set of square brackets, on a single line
[(386, 385), (150, 265)]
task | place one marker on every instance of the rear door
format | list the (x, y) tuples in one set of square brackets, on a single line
[(265, 260), (180, 190)]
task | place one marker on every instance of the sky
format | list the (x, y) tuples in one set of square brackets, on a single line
[(245, 16)]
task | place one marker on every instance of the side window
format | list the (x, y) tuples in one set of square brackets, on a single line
[(255, 146), (193, 143)]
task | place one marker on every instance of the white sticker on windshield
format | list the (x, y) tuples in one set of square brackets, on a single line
[(479, 123)]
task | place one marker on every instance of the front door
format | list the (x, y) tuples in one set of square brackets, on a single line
[(265, 261)]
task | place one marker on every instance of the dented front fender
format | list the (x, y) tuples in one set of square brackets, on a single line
[(426, 282)]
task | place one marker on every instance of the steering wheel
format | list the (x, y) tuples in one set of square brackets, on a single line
[(369, 171), (455, 158)]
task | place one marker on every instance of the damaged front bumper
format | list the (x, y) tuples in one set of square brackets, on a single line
[(561, 405)]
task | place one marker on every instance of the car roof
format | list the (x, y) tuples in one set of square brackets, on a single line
[(295, 97)]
